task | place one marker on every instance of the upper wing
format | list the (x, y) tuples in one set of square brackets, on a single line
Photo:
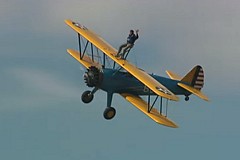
[(153, 114), (91, 37), (86, 61), (106, 48)]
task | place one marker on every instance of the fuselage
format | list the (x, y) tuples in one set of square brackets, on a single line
[(116, 81)]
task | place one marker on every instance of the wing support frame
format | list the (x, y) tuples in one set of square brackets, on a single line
[(84, 47), (104, 60), (79, 45), (151, 106), (92, 52)]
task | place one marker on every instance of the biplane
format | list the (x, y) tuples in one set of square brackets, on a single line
[(119, 76)]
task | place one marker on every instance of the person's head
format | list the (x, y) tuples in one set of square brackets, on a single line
[(131, 32)]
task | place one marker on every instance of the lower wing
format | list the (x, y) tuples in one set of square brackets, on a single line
[(86, 61), (154, 114)]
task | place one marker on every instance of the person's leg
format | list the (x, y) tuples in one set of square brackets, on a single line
[(129, 46), (120, 49)]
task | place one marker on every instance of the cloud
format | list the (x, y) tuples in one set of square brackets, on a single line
[(39, 87), (44, 82)]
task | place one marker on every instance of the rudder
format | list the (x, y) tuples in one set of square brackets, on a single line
[(193, 82), (195, 78)]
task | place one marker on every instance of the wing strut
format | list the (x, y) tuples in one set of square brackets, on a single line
[(92, 52), (150, 107), (80, 48), (104, 60), (161, 106), (84, 47), (79, 45), (166, 107)]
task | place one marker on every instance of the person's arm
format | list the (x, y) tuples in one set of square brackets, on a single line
[(137, 33)]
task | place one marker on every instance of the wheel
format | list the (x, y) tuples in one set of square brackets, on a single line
[(186, 98), (109, 113), (87, 97)]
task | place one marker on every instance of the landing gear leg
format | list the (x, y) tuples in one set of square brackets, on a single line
[(109, 112)]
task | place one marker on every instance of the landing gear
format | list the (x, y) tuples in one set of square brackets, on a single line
[(109, 113), (87, 97), (186, 98)]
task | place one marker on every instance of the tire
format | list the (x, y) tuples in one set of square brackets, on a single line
[(87, 97), (186, 98), (109, 113)]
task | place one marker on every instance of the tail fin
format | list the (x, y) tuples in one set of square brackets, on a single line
[(194, 81), (195, 78)]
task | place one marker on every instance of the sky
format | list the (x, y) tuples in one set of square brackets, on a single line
[(42, 116)]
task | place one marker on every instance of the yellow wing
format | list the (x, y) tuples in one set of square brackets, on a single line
[(86, 61), (106, 48), (91, 37), (154, 114)]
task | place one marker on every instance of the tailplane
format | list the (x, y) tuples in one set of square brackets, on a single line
[(195, 78), (193, 82)]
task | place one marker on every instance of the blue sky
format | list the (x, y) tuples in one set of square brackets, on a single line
[(42, 117)]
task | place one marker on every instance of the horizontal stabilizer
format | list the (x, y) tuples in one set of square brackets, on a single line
[(173, 75), (194, 91), (154, 114)]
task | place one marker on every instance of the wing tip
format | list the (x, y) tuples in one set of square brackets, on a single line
[(174, 98), (169, 125), (206, 99), (67, 21), (165, 121)]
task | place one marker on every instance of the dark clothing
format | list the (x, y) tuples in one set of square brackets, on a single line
[(127, 46), (132, 38)]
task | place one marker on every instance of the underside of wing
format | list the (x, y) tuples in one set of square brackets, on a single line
[(154, 114), (86, 61)]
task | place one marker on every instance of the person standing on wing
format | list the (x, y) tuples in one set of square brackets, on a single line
[(130, 43)]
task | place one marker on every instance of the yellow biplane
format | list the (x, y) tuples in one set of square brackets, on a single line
[(132, 83)]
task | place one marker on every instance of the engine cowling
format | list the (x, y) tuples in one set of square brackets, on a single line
[(93, 77)]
